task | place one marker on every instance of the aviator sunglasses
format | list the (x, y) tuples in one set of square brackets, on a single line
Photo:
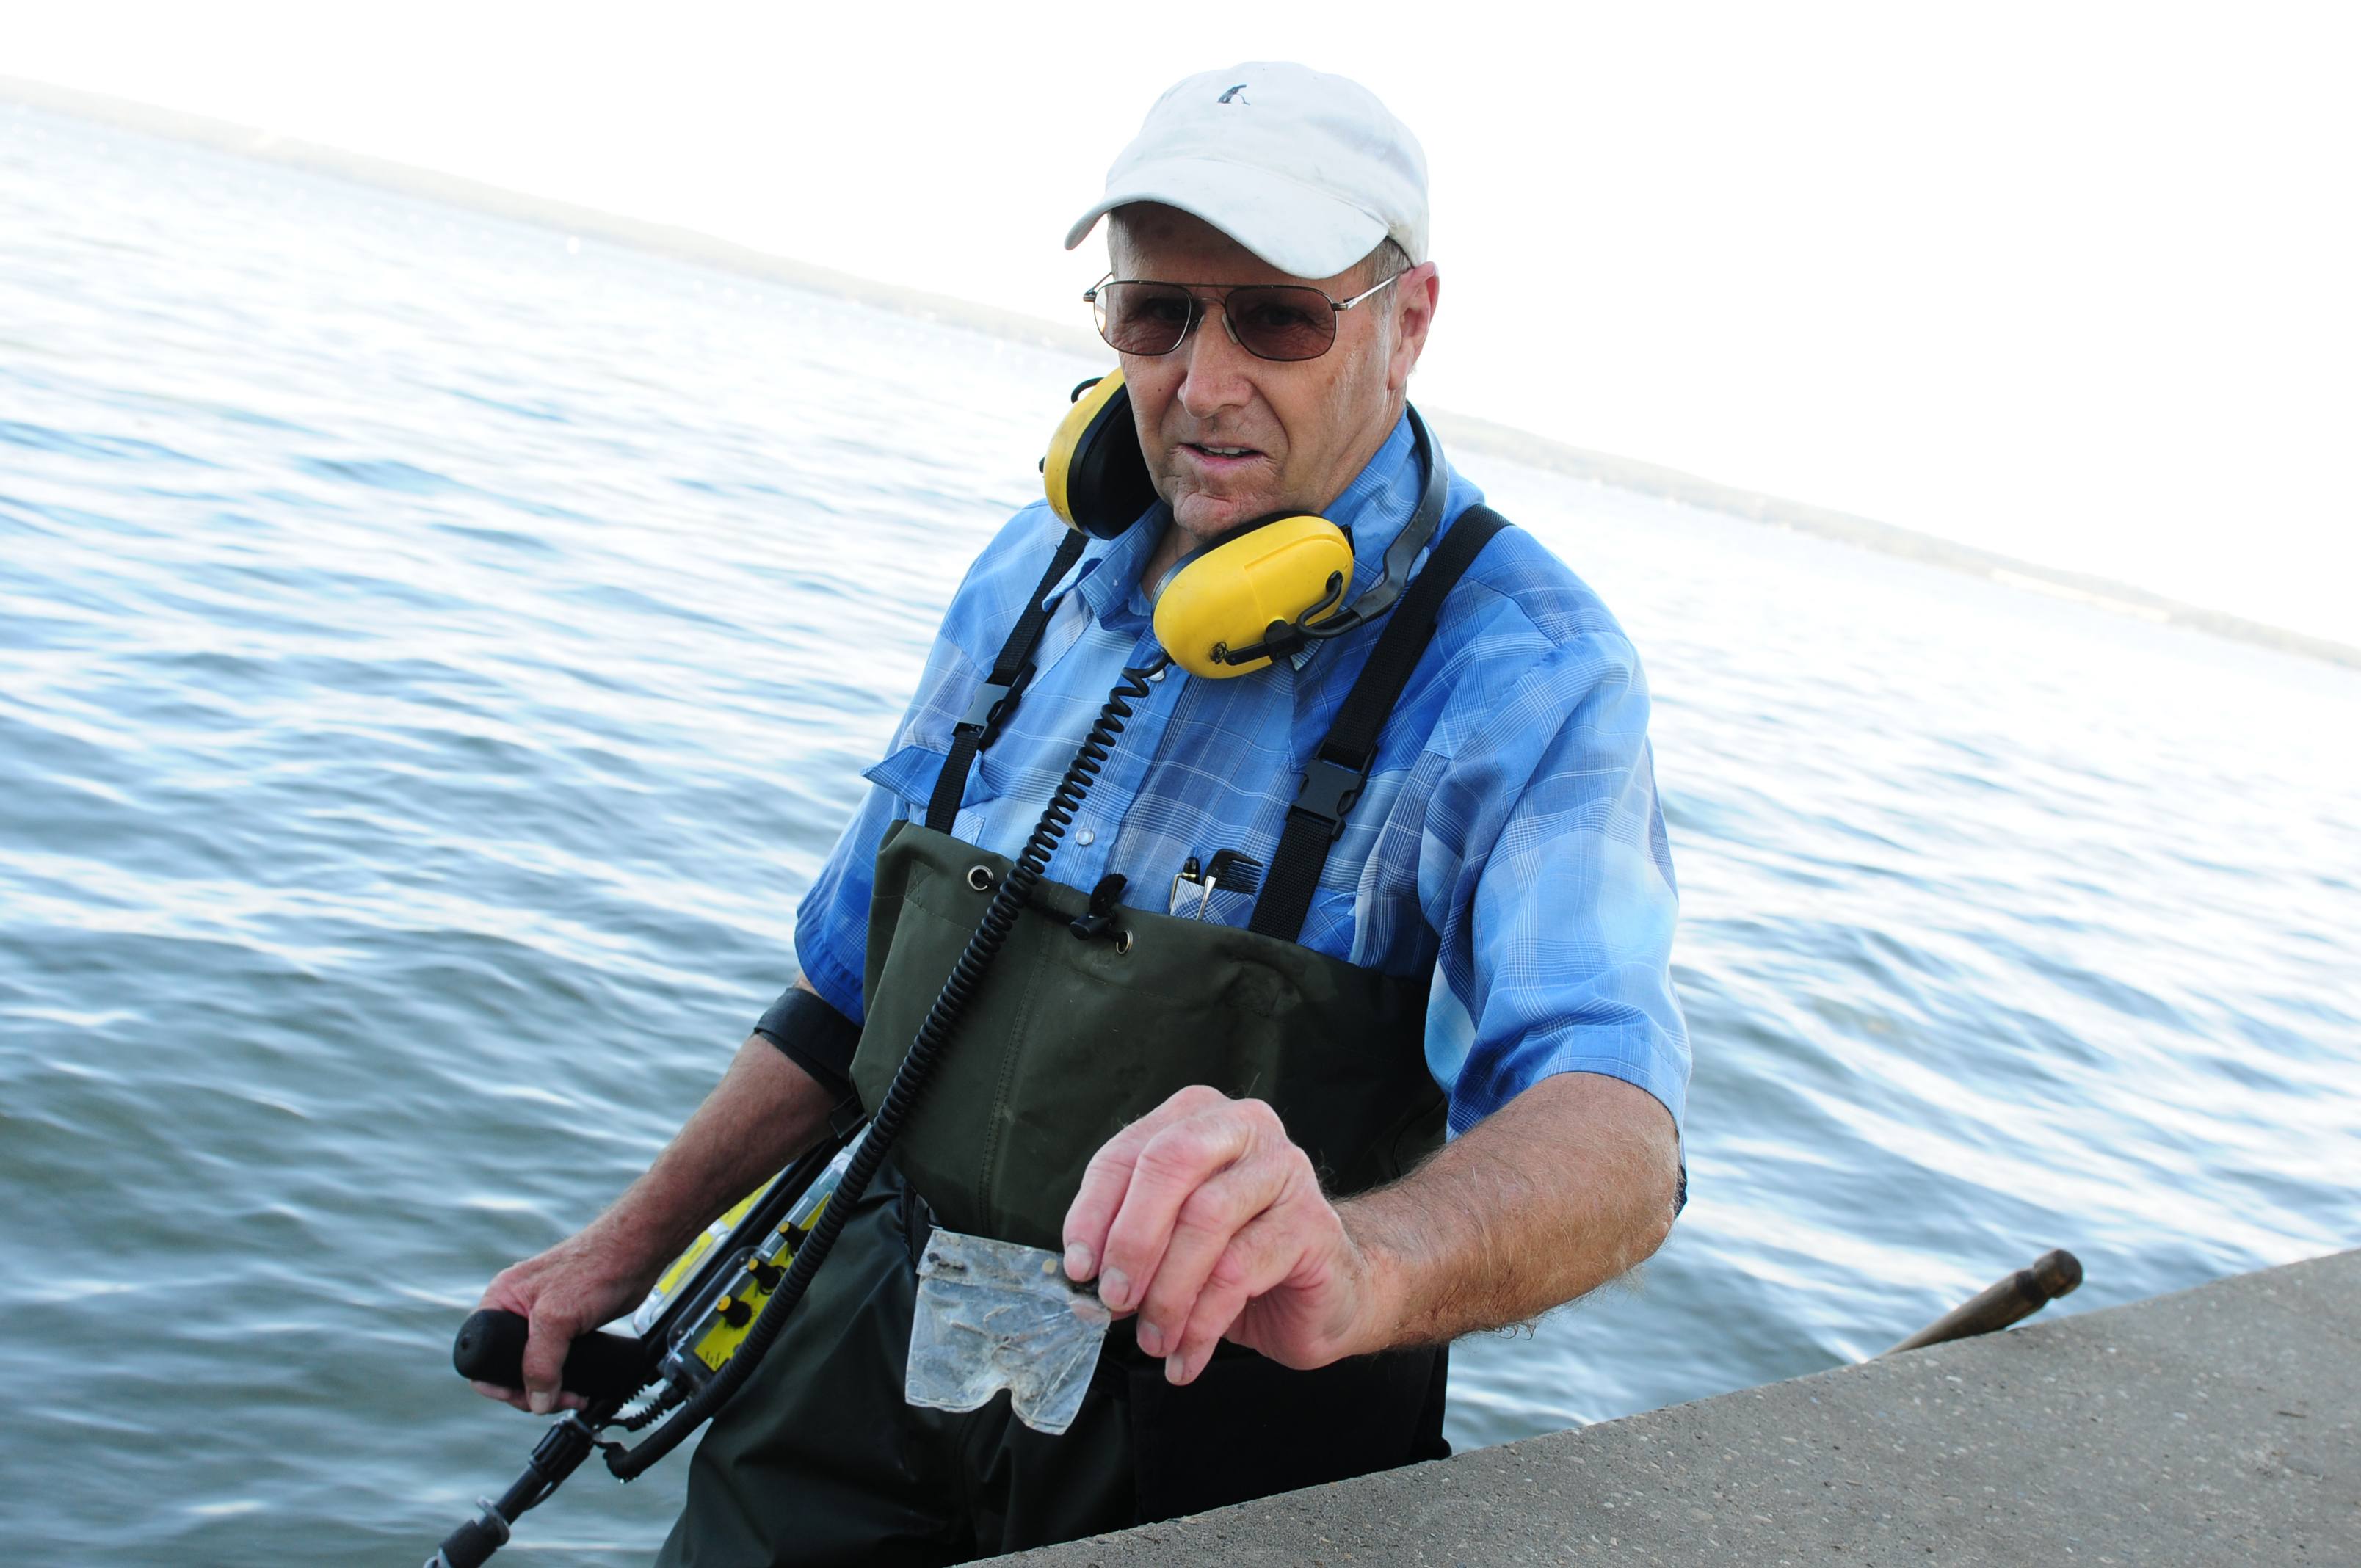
[(1269, 321)]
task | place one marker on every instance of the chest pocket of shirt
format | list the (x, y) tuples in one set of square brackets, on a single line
[(910, 774)]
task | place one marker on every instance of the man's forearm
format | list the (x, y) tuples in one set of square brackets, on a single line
[(763, 1113), (1565, 1187)]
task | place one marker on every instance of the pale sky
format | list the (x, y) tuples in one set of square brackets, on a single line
[(2072, 282)]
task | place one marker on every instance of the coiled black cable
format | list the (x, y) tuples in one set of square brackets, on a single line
[(911, 1078), (633, 1421)]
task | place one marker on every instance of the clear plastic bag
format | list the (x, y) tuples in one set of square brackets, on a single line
[(993, 1315)]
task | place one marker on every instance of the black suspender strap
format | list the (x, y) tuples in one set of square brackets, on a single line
[(996, 698), (1333, 782)]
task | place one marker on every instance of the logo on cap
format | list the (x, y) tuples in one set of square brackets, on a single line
[(1234, 92)]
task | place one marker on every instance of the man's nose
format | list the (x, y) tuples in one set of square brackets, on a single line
[(1217, 369)]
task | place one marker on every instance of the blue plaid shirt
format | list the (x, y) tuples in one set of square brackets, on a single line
[(1509, 837)]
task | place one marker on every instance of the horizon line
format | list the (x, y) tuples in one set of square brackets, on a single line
[(1484, 435)]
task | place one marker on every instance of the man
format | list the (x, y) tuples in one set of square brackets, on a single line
[(1282, 1313)]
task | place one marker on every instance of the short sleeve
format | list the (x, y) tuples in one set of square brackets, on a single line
[(832, 922), (1556, 917)]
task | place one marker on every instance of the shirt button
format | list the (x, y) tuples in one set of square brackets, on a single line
[(1157, 674), (1086, 838)]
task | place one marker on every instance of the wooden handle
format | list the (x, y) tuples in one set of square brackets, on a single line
[(2003, 1302)]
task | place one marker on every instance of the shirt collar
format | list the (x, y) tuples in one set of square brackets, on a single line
[(1110, 580), (1373, 511), (1377, 506)]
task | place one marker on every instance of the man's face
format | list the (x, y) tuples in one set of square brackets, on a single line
[(1229, 437)]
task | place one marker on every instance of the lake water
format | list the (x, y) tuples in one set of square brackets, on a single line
[(435, 656)]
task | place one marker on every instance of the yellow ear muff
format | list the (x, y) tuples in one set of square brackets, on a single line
[(1230, 596), (1094, 476)]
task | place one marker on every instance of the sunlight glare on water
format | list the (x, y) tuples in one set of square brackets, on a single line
[(436, 654)]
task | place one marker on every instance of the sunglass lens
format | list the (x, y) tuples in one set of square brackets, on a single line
[(1143, 318), (1282, 323)]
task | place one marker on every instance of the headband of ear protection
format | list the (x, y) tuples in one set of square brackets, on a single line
[(1261, 592)]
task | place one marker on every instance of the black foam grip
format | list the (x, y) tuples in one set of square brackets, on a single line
[(491, 1348), (470, 1546)]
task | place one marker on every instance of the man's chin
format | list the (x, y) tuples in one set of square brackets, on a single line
[(1210, 517)]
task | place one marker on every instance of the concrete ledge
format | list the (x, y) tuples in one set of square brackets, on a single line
[(2214, 1425)]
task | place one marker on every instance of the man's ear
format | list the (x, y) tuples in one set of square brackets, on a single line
[(1413, 311)]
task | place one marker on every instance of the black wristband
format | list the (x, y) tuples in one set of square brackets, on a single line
[(814, 1036)]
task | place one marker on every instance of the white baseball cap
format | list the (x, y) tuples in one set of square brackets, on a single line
[(1307, 171)]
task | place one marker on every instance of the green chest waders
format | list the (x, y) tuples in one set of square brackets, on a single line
[(1069, 1039)]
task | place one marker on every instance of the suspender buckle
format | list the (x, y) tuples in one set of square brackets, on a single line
[(994, 700), (1328, 792)]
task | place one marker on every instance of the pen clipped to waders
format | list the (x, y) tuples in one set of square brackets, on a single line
[(734, 1291)]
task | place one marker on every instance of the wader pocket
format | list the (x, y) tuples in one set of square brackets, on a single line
[(1067, 1040)]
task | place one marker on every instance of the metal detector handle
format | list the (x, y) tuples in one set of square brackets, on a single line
[(491, 1348), (559, 1452), (473, 1543)]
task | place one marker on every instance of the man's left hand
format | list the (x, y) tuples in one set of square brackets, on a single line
[(1205, 1220)]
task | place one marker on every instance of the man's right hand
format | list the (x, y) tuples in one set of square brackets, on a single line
[(563, 1293), (763, 1113)]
